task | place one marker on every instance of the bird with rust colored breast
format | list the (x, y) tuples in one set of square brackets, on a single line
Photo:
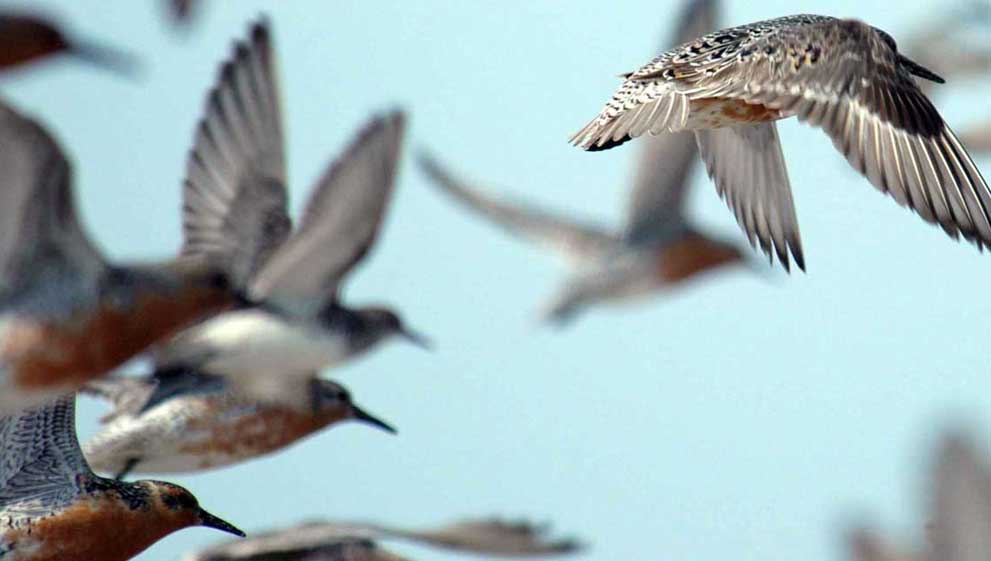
[(658, 249), (841, 75), (67, 314), (198, 424), (293, 322), (53, 508)]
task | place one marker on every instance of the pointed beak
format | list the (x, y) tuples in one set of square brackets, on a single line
[(416, 338), (112, 59), (211, 521), (360, 414)]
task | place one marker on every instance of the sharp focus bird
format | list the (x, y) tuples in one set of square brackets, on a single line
[(68, 315), (841, 75), (658, 248), (25, 39), (235, 189), (203, 426), (960, 510), (53, 508), (345, 541)]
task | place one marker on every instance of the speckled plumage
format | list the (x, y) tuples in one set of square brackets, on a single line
[(204, 426), (843, 76), (52, 507)]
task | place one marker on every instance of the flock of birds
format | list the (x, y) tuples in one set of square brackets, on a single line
[(239, 325)]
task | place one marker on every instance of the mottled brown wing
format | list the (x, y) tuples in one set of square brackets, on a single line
[(847, 78)]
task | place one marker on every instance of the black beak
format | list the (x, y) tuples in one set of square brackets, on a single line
[(211, 521), (360, 414), (416, 338)]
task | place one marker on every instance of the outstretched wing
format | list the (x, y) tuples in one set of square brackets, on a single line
[(234, 194), (41, 458), (570, 238), (339, 225), (666, 160), (492, 536), (748, 168), (39, 230)]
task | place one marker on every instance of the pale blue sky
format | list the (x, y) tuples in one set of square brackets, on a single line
[(740, 418)]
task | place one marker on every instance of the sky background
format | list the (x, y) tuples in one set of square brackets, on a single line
[(739, 417)]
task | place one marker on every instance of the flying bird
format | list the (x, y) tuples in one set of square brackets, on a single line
[(52, 506), (841, 75), (67, 314), (960, 510), (293, 322), (202, 425), (347, 541), (658, 248), (25, 39)]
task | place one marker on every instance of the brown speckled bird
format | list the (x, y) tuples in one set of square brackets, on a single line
[(841, 75), (53, 508), (201, 425)]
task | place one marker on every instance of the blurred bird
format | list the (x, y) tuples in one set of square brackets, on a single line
[(949, 44), (659, 247), (960, 503), (66, 314), (841, 75), (203, 425), (344, 541), (235, 190), (25, 39), (52, 507)]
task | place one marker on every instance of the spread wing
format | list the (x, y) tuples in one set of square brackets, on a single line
[(666, 160), (748, 168), (234, 194), (39, 229), (340, 224), (126, 394), (41, 458), (840, 75), (580, 242)]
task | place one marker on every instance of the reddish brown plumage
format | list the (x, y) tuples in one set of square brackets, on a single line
[(70, 353), (25, 39), (693, 255)]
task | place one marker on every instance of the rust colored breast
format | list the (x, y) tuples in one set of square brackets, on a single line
[(716, 112), (250, 435), (70, 353), (693, 255), (92, 529)]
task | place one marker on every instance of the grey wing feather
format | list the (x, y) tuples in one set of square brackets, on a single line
[(961, 503), (340, 223), (847, 78), (41, 458), (748, 168), (580, 242), (234, 194), (39, 229)]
